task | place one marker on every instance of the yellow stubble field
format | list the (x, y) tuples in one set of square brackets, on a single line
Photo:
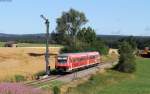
[(24, 61)]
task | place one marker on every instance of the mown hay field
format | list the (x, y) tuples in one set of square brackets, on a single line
[(24, 61)]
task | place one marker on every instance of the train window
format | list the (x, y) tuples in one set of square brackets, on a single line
[(62, 60), (92, 57), (75, 60), (79, 59), (83, 58)]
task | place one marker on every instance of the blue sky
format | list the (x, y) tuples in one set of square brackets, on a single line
[(123, 17)]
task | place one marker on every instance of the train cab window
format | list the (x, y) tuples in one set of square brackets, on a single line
[(62, 59)]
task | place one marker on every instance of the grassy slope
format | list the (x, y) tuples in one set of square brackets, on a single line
[(114, 82)]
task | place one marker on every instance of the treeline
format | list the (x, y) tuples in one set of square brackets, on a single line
[(27, 38), (111, 40)]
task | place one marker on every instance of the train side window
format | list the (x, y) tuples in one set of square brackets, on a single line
[(78, 59), (83, 58), (75, 60), (70, 59), (93, 57)]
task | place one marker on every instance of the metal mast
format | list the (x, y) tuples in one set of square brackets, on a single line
[(47, 45)]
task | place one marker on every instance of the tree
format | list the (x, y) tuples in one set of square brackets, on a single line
[(87, 41), (100, 46), (131, 40), (127, 58), (91, 41), (69, 24), (87, 35), (70, 32)]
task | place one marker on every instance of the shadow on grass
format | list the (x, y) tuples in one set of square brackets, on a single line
[(40, 54)]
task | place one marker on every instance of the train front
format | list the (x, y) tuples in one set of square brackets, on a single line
[(62, 64)]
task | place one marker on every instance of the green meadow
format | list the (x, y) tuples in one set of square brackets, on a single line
[(113, 82)]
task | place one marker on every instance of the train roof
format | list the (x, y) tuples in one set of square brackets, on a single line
[(79, 54)]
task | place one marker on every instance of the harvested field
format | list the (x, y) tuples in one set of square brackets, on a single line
[(24, 61)]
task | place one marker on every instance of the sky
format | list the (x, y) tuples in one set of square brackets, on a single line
[(107, 17)]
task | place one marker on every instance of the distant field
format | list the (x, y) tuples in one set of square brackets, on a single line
[(114, 82), (36, 45), (24, 61), (1, 44), (31, 45)]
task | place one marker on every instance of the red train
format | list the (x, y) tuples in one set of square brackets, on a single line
[(72, 61)]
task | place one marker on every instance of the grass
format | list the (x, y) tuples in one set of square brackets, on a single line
[(113, 82), (109, 58), (50, 85), (2, 44), (32, 45), (36, 45)]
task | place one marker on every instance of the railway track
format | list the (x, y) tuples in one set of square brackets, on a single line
[(69, 77), (43, 80)]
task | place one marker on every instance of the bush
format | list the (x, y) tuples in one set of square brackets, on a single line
[(79, 46), (40, 73), (19, 78), (127, 58), (100, 46), (56, 90), (75, 47), (54, 72)]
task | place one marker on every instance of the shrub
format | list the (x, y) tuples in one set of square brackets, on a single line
[(54, 72), (19, 78), (86, 47), (56, 90), (40, 73), (127, 58), (100, 46)]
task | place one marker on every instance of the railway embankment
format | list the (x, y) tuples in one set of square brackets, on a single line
[(81, 77)]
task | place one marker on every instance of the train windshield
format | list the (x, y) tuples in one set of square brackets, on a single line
[(62, 59)]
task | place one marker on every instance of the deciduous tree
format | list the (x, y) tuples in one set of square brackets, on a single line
[(69, 24)]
